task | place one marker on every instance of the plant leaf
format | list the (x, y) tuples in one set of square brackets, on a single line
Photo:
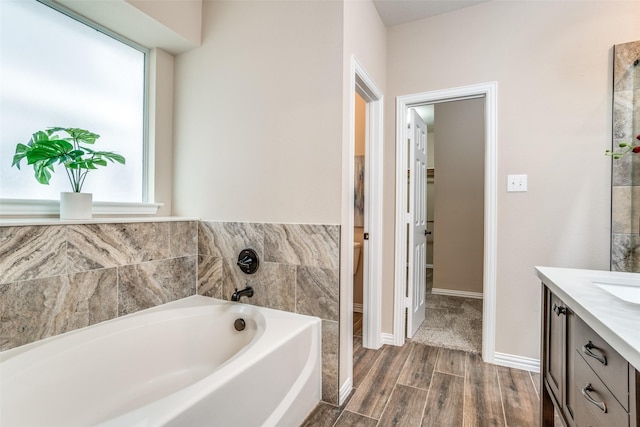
[(21, 153), (81, 135), (38, 137), (45, 150), (43, 173), (111, 156)]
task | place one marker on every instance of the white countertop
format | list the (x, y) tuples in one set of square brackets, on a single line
[(616, 320)]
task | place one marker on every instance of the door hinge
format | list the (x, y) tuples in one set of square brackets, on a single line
[(366, 236)]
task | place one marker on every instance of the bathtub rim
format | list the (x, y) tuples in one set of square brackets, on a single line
[(191, 301)]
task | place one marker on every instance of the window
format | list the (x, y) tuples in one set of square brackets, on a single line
[(58, 71)]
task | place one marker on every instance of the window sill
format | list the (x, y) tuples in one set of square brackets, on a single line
[(12, 210)]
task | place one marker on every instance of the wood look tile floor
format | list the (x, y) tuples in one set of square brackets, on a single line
[(420, 385)]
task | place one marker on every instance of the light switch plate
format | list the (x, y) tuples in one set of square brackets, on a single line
[(516, 183)]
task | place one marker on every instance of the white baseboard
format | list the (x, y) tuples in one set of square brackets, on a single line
[(387, 339), (357, 308), (518, 362), (345, 391), (454, 293)]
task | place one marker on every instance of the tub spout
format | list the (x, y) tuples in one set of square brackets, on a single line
[(246, 292)]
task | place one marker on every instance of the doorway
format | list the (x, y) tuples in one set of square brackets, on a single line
[(454, 208), (371, 251), (488, 92)]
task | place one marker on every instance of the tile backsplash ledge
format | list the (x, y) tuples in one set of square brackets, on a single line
[(20, 222)]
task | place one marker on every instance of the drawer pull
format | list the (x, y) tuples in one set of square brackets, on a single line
[(559, 310), (587, 349), (585, 392)]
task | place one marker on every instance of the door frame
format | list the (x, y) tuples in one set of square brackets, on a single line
[(490, 93), (361, 81), (372, 248)]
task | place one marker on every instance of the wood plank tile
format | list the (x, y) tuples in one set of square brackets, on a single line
[(324, 415), (482, 399), (363, 360), (472, 393), (445, 401), (418, 370), (451, 362), (371, 396), (349, 419), (405, 407), (521, 403)]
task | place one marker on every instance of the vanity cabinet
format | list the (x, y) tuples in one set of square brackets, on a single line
[(557, 326), (584, 378)]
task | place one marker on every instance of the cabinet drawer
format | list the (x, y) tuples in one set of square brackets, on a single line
[(607, 363), (582, 415), (603, 406)]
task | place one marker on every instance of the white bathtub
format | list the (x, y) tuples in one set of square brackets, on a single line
[(179, 364)]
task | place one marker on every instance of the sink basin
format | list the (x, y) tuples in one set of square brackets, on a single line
[(624, 288)]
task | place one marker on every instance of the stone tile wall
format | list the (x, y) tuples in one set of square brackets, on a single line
[(58, 278), (299, 272), (625, 192), (54, 279)]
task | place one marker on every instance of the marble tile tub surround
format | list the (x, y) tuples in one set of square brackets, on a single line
[(625, 199), (56, 278), (299, 272)]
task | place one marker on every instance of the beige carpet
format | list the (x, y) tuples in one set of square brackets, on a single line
[(452, 322)]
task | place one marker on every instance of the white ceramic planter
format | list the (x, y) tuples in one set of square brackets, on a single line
[(76, 205)]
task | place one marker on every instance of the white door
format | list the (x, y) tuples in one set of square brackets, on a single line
[(417, 256)]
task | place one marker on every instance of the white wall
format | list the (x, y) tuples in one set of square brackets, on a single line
[(459, 202), (552, 62), (258, 114)]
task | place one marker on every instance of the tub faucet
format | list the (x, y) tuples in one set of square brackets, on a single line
[(246, 292)]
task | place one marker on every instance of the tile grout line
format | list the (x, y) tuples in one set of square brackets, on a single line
[(464, 390), (353, 412), (386, 404), (535, 387), (504, 413), (414, 387), (448, 373)]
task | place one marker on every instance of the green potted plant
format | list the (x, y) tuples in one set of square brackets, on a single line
[(67, 147)]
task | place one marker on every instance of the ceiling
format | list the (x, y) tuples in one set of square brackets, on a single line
[(394, 12)]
